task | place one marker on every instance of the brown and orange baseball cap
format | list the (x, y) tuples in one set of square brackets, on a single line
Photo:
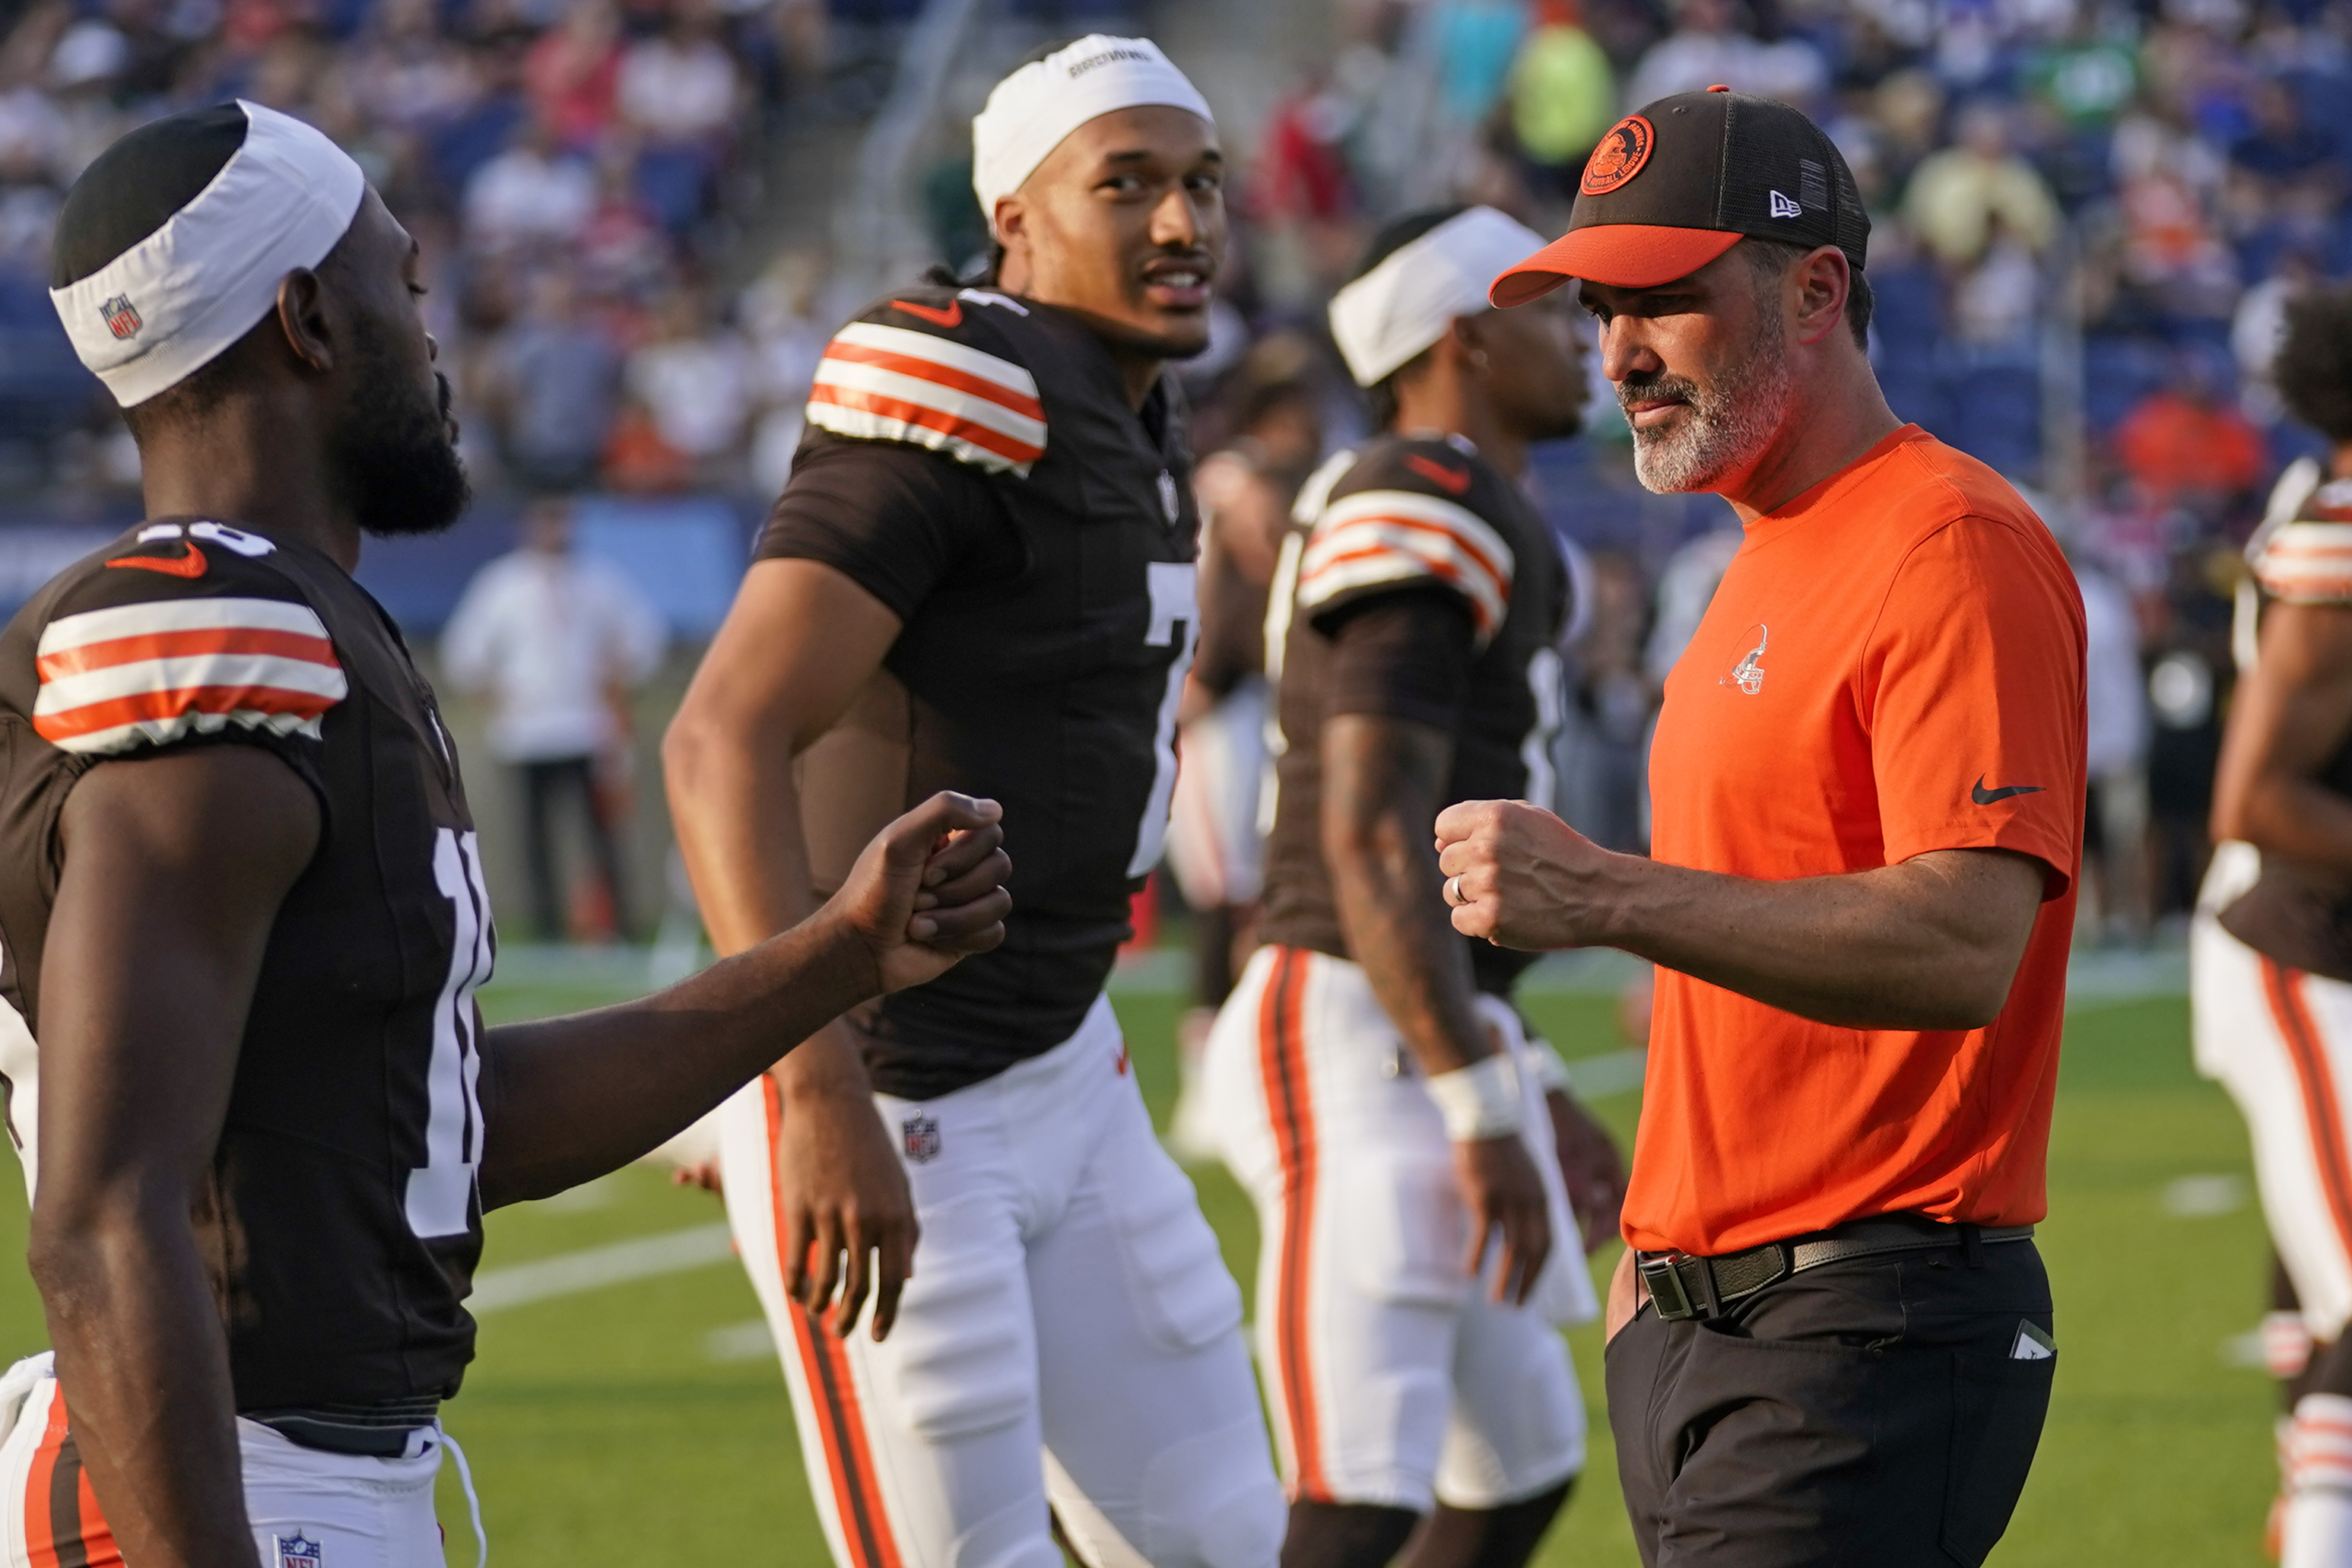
[(1673, 187)]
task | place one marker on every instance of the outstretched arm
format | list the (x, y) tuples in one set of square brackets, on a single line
[(567, 1098), (174, 869), (1930, 943)]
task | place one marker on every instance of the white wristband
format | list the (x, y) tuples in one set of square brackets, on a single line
[(1545, 1066), (1481, 1101)]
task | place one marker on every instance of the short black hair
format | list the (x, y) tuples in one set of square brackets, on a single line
[(135, 186), (1391, 239), (130, 191), (2314, 368), (1769, 259)]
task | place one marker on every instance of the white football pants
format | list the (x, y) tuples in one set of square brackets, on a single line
[(1397, 1380), (1070, 1336), (2279, 1041), (308, 1508)]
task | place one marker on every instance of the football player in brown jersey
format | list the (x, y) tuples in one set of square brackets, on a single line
[(982, 569), (2270, 949), (1377, 1093), (243, 917)]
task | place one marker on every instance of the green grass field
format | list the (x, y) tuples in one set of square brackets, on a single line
[(643, 1424)]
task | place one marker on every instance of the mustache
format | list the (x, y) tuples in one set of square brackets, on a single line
[(1655, 384), (1190, 256)]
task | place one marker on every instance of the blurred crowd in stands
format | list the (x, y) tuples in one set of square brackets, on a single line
[(2087, 216)]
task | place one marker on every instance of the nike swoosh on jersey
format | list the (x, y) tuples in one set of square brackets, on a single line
[(150, 674), (1454, 480), (950, 317), (193, 564), (1984, 796)]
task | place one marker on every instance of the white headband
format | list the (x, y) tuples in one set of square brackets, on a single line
[(1412, 298), (171, 304), (1034, 109)]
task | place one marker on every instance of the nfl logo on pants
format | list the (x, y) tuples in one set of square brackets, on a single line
[(297, 1550), (922, 1136)]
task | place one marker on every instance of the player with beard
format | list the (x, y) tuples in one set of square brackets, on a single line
[(243, 917), (982, 569), (1377, 1094), (1868, 783)]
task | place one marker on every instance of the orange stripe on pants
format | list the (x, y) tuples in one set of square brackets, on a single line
[(832, 1390), (1282, 1067), (2282, 988)]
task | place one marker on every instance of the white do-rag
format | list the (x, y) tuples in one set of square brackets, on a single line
[(1031, 111), (173, 303), (1413, 298)]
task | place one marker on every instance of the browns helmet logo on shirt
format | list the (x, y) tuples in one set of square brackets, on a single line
[(1619, 157)]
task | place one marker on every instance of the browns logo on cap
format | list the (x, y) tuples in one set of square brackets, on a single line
[(1714, 166), (1619, 157)]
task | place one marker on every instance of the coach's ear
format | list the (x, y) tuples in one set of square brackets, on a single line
[(1817, 290)]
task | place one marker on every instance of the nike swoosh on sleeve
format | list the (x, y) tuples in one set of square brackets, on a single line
[(950, 317), (192, 564), (1454, 479), (1984, 796)]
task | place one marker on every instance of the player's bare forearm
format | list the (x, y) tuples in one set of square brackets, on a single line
[(174, 869), (144, 1364), (1382, 779), (569, 1099), (2292, 713), (1931, 943)]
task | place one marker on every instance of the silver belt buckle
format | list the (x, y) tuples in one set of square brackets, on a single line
[(1666, 1282)]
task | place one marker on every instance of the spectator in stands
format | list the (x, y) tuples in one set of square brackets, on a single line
[(557, 641), (2183, 443), (1563, 96), (694, 380), (680, 90), (1477, 40), (555, 382), (1707, 46), (573, 72), (534, 194), (1958, 197)]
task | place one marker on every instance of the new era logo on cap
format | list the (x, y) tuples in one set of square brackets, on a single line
[(1674, 186)]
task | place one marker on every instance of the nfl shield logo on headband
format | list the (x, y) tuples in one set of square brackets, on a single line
[(122, 316)]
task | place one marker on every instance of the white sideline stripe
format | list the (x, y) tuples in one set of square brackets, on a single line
[(572, 1273)]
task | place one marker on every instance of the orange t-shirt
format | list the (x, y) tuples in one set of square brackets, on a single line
[(1893, 665)]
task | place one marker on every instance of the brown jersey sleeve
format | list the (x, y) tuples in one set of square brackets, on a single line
[(894, 519), (1406, 654)]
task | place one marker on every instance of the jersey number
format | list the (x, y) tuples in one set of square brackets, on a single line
[(441, 1191), (1175, 602)]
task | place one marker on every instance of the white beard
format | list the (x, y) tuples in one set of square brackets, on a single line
[(1725, 428)]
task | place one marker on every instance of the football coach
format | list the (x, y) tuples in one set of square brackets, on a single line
[(1831, 1342)]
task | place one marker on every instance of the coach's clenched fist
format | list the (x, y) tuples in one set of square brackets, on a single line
[(1519, 876)]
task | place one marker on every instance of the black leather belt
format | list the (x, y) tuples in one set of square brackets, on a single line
[(375, 1431), (1682, 1286)]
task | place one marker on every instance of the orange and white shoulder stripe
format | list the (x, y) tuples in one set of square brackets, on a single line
[(149, 674), (891, 383), (2308, 563), (1393, 536)]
